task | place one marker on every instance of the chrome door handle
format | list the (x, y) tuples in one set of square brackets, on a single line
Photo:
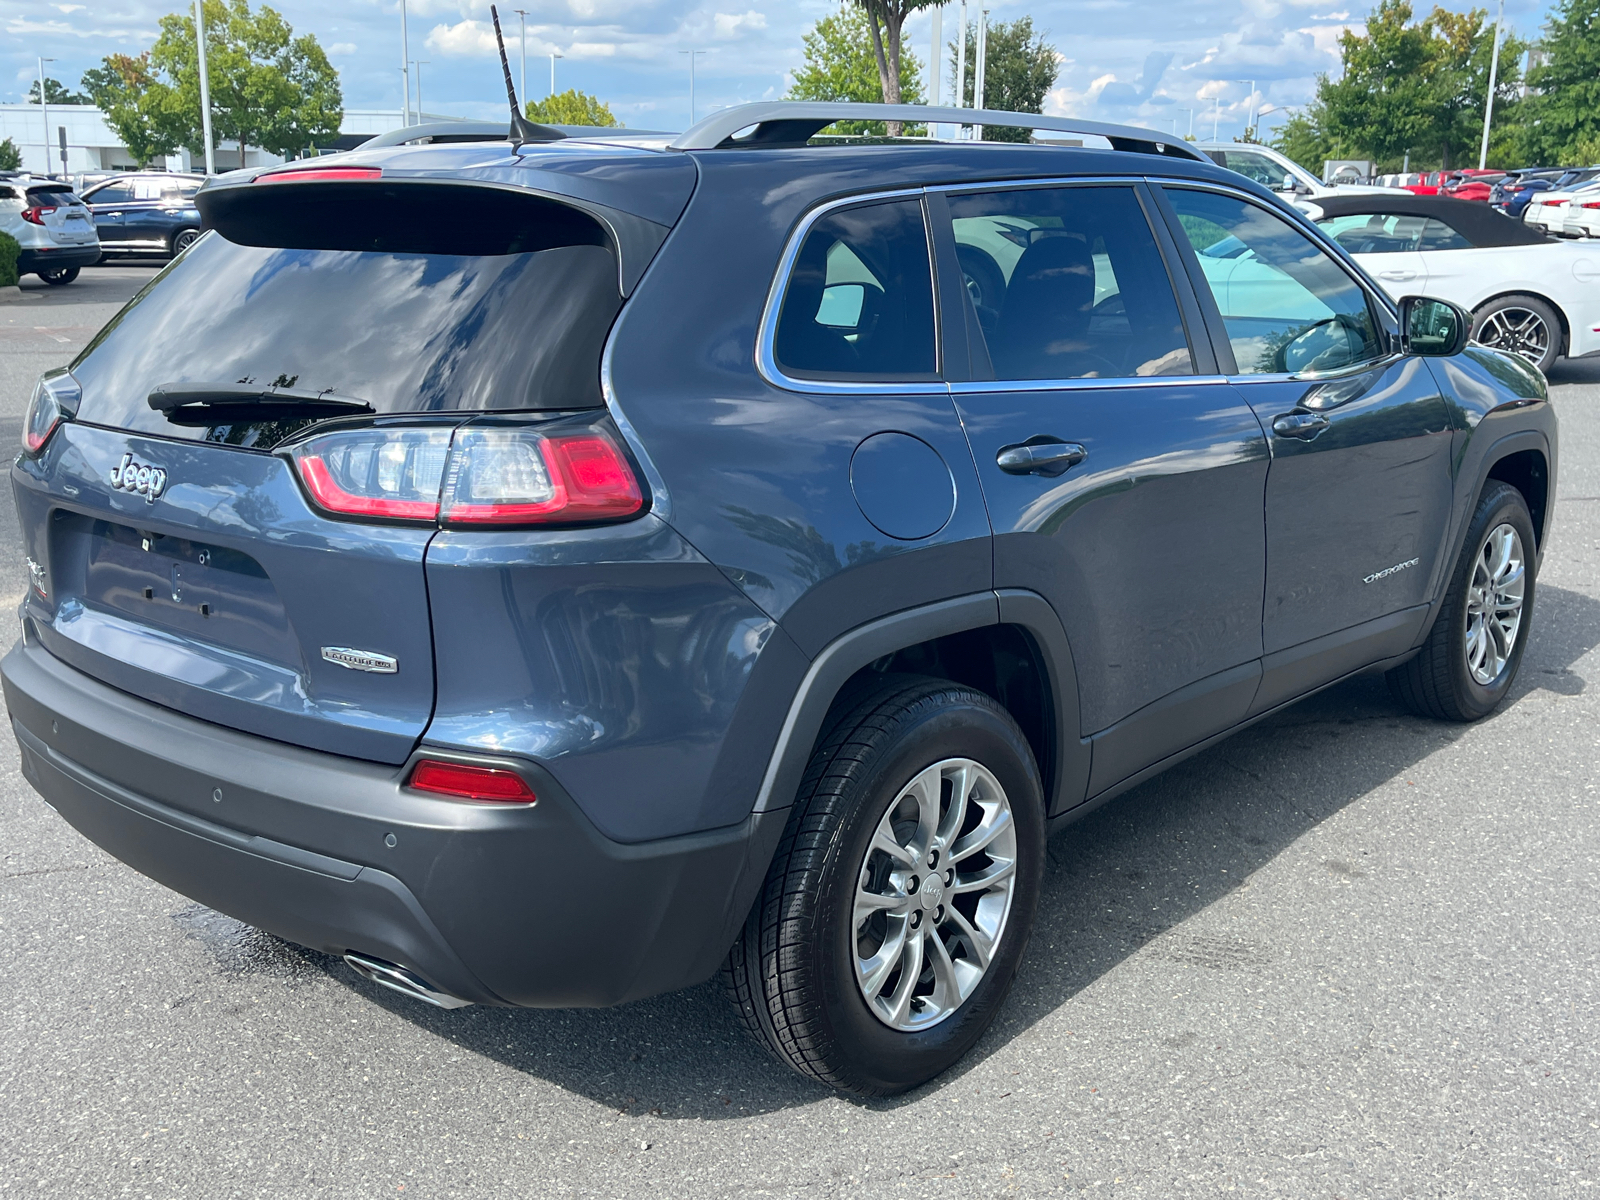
[(1304, 426), (1038, 457), (1398, 276)]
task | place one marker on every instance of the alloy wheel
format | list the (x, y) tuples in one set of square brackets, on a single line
[(933, 894), (184, 240), (1518, 331), (1494, 604)]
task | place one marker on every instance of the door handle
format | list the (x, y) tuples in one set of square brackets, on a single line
[(1039, 457), (1304, 426), (1397, 275)]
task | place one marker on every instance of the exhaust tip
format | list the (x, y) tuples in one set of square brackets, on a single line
[(400, 979)]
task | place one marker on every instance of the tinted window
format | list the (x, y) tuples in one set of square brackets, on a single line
[(112, 193), (46, 195), (1288, 306), (859, 300), (405, 332), (1068, 284), (1379, 233), (1255, 166)]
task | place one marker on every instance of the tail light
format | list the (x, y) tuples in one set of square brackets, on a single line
[(55, 399), (1590, 204), (37, 214), (322, 175), (468, 782), (489, 475)]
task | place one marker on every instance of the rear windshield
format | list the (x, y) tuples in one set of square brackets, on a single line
[(404, 331), (45, 195)]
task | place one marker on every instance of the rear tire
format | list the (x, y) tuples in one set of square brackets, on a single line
[(1468, 663), (830, 972), (183, 239), (1522, 325), (59, 278)]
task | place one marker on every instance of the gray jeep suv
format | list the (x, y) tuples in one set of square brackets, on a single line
[(735, 551)]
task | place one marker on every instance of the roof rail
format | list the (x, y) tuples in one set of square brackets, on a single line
[(444, 131), (778, 124)]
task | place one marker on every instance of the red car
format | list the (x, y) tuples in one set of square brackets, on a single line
[(1473, 184), (1427, 184)]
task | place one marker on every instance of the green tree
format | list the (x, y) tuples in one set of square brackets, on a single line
[(887, 19), (1409, 87), (1019, 71), (10, 156), (55, 93), (1562, 113), (571, 107), (840, 65), (145, 113), (269, 88)]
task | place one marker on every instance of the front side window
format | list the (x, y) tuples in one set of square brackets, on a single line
[(859, 300), (1068, 284), (1288, 306)]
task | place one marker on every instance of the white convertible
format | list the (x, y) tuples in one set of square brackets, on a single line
[(1528, 295)]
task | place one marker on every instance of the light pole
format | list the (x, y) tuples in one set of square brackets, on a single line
[(1216, 120), (522, 16), (419, 63), (553, 57), (205, 84), (405, 65), (978, 79), (1251, 131), (691, 54), (1488, 102), (1190, 111), (935, 92), (961, 67), (45, 109)]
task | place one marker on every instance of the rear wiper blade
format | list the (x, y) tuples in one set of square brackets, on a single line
[(222, 403)]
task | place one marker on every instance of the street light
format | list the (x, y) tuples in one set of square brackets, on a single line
[(1488, 103), (553, 57), (419, 64), (1190, 111), (691, 54), (1250, 132), (205, 85), (522, 16), (45, 109), (405, 65), (1216, 120)]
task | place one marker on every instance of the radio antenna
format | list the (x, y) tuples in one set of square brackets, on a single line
[(522, 129)]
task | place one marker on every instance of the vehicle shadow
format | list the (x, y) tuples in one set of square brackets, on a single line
[(1576, 370), (1120, 882)]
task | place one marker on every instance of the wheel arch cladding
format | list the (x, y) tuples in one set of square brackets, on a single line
[(1529, 472)]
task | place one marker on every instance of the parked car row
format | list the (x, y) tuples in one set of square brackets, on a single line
[(1570, 212), (60, 232)]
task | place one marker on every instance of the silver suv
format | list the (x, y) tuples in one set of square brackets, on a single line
[(52, 226)]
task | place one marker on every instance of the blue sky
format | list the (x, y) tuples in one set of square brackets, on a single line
[(1136, 61)]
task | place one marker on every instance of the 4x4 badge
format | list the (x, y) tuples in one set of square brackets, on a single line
[(138, 478)]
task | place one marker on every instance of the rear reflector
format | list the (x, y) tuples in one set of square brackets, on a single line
[(485, 475), (322, 175), (470, 783)]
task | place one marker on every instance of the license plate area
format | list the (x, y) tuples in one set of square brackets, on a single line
[(196, 589)]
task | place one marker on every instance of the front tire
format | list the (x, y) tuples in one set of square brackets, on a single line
[(1470, 659), (1522, 325), (900, 900), (59, 278), (183, 239)]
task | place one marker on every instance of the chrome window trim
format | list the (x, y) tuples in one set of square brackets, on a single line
[(1081, 384), (766, 356)]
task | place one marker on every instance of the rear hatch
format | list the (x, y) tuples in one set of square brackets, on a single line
[(175, 552), (64, 218)]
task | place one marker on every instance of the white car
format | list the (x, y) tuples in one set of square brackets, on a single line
[(1531, 296), (1574, 213), (51, 225), (1280, 174)]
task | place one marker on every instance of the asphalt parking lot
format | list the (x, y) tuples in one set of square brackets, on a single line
[(1347, 953)]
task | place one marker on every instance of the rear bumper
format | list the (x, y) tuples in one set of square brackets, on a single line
[(56, 258), (497, 904)]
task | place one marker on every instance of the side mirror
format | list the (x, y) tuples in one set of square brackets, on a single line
[(1289, 184), (1433, 328)]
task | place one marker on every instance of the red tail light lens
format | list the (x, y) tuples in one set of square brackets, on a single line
[(1590, 204), (37, 214), (518, 476), (490, 475), (470, 783), (322, 175), (391, 474), (55, 399)]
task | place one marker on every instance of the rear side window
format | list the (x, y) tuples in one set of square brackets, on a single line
[(1068, 284), (510, 314), (120, 192), (858, 303), (1392, 233)]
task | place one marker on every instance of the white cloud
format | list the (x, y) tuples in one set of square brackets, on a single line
[(69, 9), (59, 28), (732, 25), (338, 48), (463, 39)]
